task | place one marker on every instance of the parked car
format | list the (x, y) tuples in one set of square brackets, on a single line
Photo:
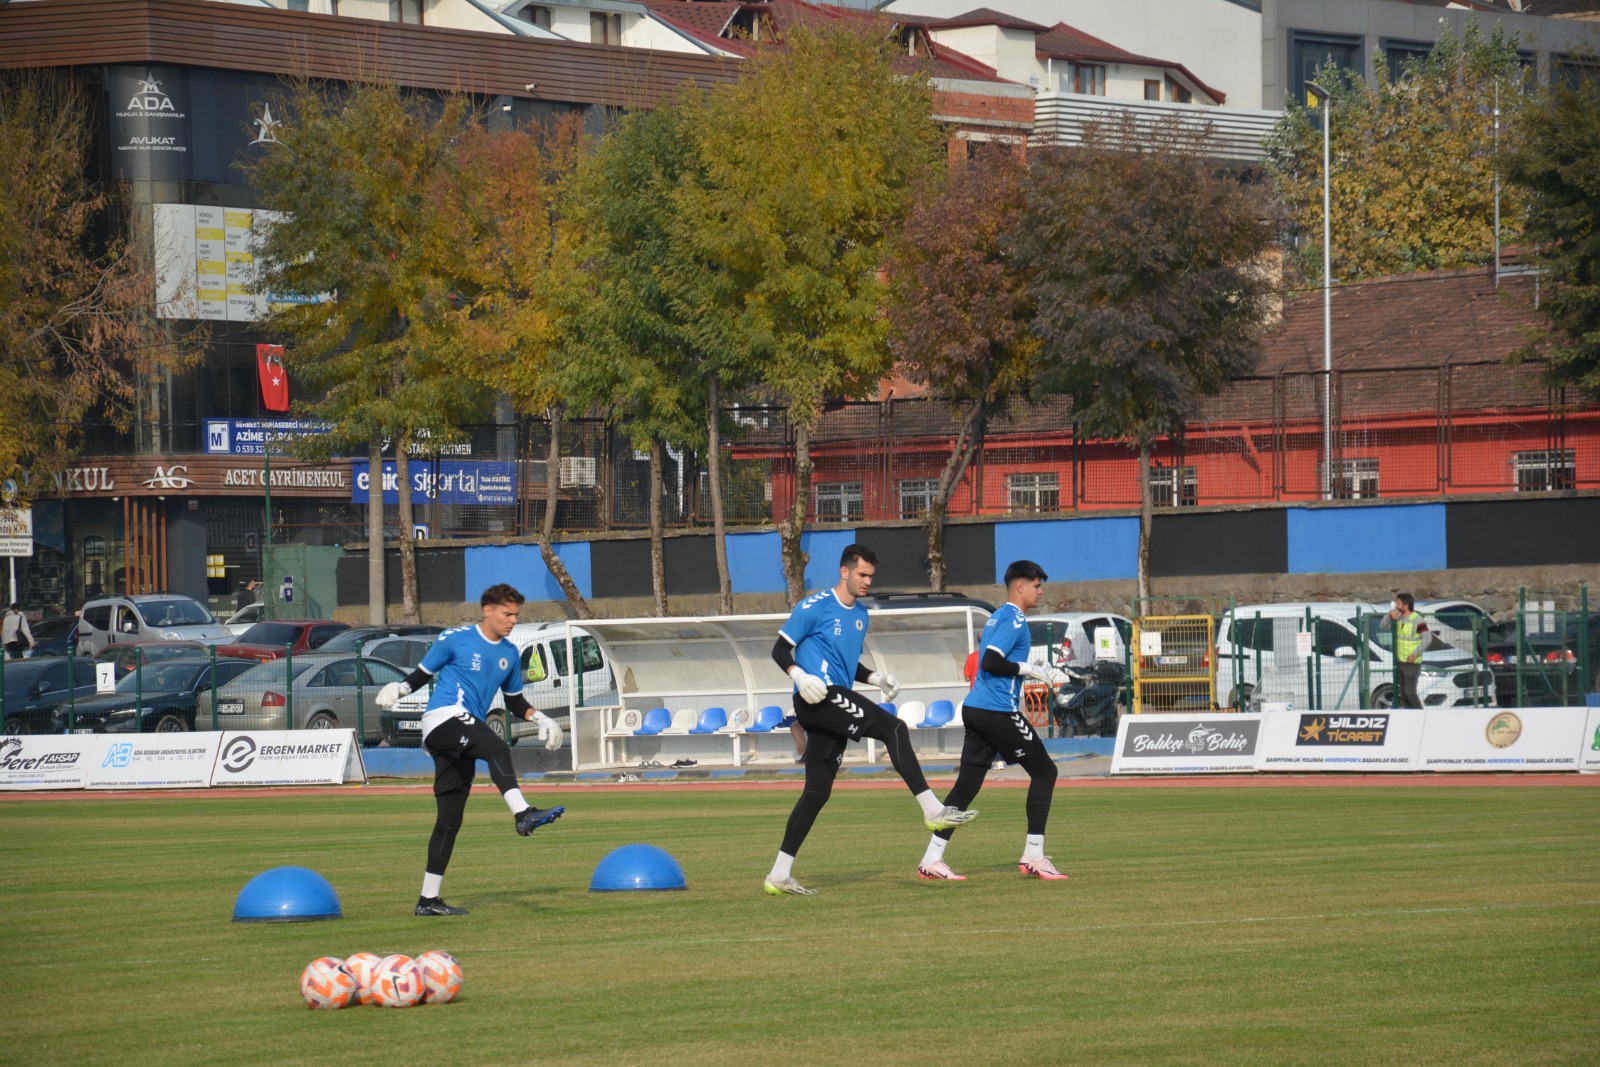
[(54, 635), (548, 683), (244, 618), (36, 699), (1459, 623), (147, 616), (1259, 653), (130, 654), (162, 698), (361, 636), (271, 639), (1070, 638), (328, 691), (1550, 661), (403, 652)]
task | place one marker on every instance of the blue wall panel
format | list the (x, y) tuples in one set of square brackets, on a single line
[(1070, 549), (523, 567), (824, 547), (1353, 540), (755, 562)]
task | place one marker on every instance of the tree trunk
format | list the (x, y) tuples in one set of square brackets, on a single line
[(719, 534), (658, 554), (377, 613), (1146, 510), (547, 529), (408, 544), (969, 439), (790, 529)]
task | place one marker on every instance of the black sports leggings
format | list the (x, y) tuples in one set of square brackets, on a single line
[(820, 774), (452, 780), (1042, 775)]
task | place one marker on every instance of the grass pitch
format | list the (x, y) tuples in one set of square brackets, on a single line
[(1213, 925)]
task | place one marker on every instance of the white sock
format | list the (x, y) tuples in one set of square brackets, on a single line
[(931, 805), (782, 867), (515, 801), (1033, 847), (935, 851), (431, 884)]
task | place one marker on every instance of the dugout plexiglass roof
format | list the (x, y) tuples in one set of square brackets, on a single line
[(726, 660)]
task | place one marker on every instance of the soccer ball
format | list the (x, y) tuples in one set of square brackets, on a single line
[(397, 982), (441, 975), (363, 967), (326, 984)]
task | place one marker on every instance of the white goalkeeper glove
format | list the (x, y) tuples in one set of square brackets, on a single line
[(390, 694), (1034, 671), (549, 730), (813, 690), (885, 682)]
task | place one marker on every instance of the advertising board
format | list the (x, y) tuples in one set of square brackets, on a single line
[(1187, 744), (1502, 739), (1368, 741)]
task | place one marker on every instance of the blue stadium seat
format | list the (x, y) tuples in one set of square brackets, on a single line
[(655, 720), (711, 720), (766, 719), (940, 712)]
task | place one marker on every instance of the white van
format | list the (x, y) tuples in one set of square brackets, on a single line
[(145, 617), (548, 681), (1263, 655), (1085, 629)]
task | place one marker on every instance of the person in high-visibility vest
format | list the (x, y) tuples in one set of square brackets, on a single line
[(1408, 643)]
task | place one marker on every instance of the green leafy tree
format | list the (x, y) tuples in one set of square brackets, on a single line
[(788, 231), (1414, 162), (1145, 271), (356, 178), (1556, 161), (78, 330), (958, 310)]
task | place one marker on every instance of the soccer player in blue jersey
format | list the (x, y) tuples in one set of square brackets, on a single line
[(467, 666), (820, 648), (996, 726)]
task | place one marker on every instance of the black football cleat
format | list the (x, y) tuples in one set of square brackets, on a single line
[(533, 818), (435, 906)]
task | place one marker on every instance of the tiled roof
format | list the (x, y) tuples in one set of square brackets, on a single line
[(1066, 42), (983, 16)]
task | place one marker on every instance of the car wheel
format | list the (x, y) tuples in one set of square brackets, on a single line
[(171, 723), (323, 720), (497, 724), (16, 727), (1241, 697), (1383, 696)]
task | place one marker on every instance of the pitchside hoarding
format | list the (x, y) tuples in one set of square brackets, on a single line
[(154, 761), (1341, 740), (288, 757), (49, 762), (1187, 744), (1503, 739), (1589, 757)]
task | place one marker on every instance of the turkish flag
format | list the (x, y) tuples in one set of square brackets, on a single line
[(274, 378)]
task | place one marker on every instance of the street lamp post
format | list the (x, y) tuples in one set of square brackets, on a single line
[(1317, 97)]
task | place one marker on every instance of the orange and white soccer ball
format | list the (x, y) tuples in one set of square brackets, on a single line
[(363, 967), (326, 984), (441, 976), (397, 983)]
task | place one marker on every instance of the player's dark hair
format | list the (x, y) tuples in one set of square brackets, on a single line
[(1027, 570), (501, 594), (851, 553), (1407, 599)]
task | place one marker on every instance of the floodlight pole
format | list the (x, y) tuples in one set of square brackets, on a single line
[(1325, 103)]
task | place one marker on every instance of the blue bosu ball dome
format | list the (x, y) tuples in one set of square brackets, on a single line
[(637, 867), (285, 895)]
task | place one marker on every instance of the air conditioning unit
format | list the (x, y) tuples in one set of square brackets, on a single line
[(577, 471)]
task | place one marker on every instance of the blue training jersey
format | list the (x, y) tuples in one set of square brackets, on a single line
[(827, 637), (1007, 633), (468, 669)]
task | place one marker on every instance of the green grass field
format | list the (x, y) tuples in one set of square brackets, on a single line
[(1219, 925)]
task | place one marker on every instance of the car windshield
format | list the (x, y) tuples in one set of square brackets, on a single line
[(271, 674), (270, 633), (175, 612), (171, 678)]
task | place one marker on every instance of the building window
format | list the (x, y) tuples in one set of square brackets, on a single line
[(539, 16), (916, 496), (1397, 53), (1541, 471), (1088, 79), (604, 28), (1035, 491), (1573, 71), (405, 11), (1311, 52), (1358, 480), (1171, 488), (1152, 89), (1178, 94), (839, 501)]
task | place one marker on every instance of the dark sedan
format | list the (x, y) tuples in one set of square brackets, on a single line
[(163, 698), (36, 699), (1552, 665)]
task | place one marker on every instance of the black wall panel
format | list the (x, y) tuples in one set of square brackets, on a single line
[(1519, 532), (620, 568), (441, 575), (691, 566), (1222, 542), (969, 554), (902, 558)]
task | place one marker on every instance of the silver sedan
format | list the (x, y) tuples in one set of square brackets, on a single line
[(313, 692)]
